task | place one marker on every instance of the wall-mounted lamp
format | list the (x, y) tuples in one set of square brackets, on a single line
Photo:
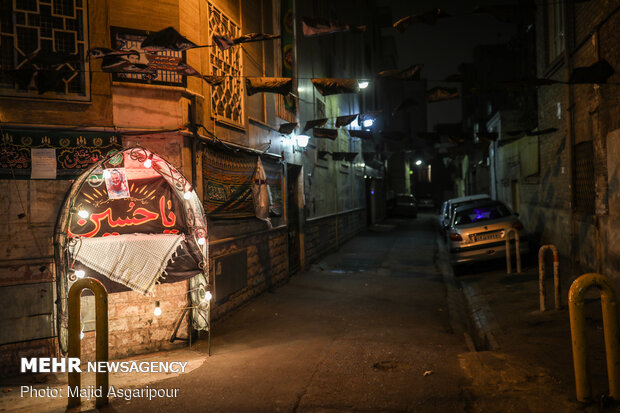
[(157, 310), (302, 141), (368, 123)]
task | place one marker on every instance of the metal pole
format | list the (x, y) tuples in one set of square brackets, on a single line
[(578, 334), (517, 251), (556, 276), (541, 277), (101, 331)]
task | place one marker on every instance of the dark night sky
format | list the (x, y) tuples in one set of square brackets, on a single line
[(445, 45)]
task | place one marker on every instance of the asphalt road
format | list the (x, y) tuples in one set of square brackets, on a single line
[(382, 325), (367, 329)]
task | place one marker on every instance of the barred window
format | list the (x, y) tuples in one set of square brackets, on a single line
[(227, 98), (44, 43)]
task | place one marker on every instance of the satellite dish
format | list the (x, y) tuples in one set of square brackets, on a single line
[(200, 301)]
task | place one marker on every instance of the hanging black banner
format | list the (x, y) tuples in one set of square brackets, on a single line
[(74, 151)]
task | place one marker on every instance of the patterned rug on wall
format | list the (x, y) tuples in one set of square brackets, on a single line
[(228, 184)]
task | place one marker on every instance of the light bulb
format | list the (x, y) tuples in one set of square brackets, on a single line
[(80, 273), (418, 162), (367, 123), (363, 84), (201, 241), (157, 311), (147, 163), (187, 195), (207, 296), (83, 213)]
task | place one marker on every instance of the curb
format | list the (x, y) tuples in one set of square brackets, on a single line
[(480, 313)]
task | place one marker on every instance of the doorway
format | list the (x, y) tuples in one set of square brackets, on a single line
[(293, 217)]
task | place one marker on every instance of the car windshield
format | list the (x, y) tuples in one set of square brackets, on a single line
[(481, 213)]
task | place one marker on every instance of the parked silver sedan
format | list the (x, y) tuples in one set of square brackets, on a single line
[(477, 232)]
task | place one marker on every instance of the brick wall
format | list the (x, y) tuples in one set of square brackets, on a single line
[(266, 267), (326, 234), (134, 328), (546, 200)]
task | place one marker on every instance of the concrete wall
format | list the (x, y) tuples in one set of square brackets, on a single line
[(325, 235)]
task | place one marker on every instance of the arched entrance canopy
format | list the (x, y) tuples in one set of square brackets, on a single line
[(132, 220)]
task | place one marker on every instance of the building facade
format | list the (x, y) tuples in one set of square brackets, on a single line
[(75, 106)]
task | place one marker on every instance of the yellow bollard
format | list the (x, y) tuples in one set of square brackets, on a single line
[(578, 334), (517, 251), (101, 331), (556, 276)]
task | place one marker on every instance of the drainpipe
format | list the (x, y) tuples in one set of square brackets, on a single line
[(570, 136)]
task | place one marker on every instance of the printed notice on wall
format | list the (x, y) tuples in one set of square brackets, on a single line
[(43, 163)]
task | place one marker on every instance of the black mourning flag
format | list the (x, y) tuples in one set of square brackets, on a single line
[(362, 134), (328, 87), (315, 123), (118, 64), (280, 85), (440, 93), (598, 72), (344, 120), (411, 73), (167, 39), (325, 133), (255, 37), (224, 42), (287, 128), (101, 52), (317, 26), (187, 70), (428, 17)]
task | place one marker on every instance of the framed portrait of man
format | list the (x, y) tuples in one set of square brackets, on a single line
[(116, 183)]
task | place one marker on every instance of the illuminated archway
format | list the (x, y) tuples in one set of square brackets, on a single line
[(122, 221)]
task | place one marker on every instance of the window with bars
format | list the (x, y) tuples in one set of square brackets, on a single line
[(585, 193), (43, 53), (226, 98)]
